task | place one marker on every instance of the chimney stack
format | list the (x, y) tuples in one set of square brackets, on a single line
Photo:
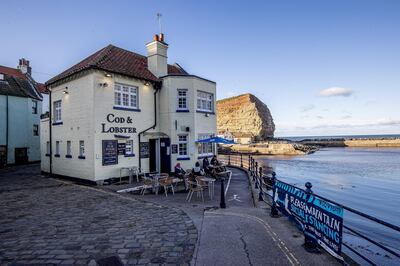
[(157, 56), (24, 66)]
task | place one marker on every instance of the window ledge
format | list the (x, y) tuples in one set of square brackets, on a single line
[(81, 157), (56, 155), (57, 123), (182, 111), (48, 154), (129, 155), (202, 156), (68, 156), (205, 112), (126, 109), (183, 158)]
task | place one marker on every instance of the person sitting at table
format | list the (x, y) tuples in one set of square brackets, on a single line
[(206, 165), (179, 171), (214, 160), (197, 171)]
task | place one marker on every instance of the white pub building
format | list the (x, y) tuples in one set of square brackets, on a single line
[(118, 109)]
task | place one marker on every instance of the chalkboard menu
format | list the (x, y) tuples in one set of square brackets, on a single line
[(110, 152), (144, 149), (121, 148), (174, 148)]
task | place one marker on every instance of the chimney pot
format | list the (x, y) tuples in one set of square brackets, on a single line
[(156, 38), (161, 37)]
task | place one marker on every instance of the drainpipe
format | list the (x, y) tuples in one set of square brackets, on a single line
[(6, 129), (50, 136), (152, 127)]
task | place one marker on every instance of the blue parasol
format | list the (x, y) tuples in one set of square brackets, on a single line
[(216, 140)]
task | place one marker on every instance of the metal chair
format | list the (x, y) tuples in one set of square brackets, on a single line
[(167, 183)]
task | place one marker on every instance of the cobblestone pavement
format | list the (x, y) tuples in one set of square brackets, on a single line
[(46, 221)]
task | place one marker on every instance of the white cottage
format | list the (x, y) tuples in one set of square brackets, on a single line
[(117, 109)]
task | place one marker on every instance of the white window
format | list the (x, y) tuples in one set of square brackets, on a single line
[(205, 149), (36, 130), (182, 99), (69, 148), (129, 147), (57, 111), (182, 145), (48, 147), (126, 96), (205, 101), (57, 147), (81, 148), (34, 107)]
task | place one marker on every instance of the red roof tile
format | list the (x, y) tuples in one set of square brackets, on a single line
[(117, 60), (12, 72)]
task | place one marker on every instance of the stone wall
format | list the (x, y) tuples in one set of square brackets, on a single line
[(245, 116)]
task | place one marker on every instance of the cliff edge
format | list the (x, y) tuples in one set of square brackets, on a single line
[(245, 116)]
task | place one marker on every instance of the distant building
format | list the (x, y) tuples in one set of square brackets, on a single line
[(117, 109), (20, 110)]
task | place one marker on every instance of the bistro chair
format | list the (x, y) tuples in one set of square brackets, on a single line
[(147, 184), (167, 183), (194, 187)]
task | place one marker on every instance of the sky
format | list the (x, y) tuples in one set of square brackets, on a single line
[(322, 67)]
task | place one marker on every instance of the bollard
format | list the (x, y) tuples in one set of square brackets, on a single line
[(249, 162), (241, 160), (229, 158), (222, 204), (274, 211), (310, 243), (256, 175), (252, 169), (260, 194)]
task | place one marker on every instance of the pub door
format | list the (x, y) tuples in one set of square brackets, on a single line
[(165, 155), (21, 155), (153, 167)]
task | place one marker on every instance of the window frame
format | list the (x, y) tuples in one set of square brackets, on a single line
[(119, 90), (183, 97), (57, 153), (205, 149), (57, 111), (34, 107), (35, 130), (203, 100), (69, 149), (82, 154), (183, 142), (129, 148)]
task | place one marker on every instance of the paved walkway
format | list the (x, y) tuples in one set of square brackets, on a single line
[(47, 221)]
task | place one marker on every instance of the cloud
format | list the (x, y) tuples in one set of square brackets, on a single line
[(346, 117), (307, 108), (320, 117), (377, 123), (335, 91)]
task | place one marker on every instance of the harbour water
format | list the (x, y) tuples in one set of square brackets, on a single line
[(366, 179)]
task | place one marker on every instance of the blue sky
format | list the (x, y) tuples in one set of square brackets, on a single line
[(322, 67)]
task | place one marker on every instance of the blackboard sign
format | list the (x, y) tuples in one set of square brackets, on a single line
[(110, 152), (174, 148), (144, 149), (121, 148)]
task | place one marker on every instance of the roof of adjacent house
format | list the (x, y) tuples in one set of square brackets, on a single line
[(117, 60), (16, 83)]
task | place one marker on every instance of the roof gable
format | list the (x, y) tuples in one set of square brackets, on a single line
[(116, 60)]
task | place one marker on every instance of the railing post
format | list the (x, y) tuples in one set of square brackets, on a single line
[(229, 158), (260, 194), (249, 162), (256, 175), (222, 204), (274, 210), (310, 243), (241, 160)]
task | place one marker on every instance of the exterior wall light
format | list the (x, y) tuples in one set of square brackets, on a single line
[(108, 75), (146, 83), (104, 85), (65, 91)]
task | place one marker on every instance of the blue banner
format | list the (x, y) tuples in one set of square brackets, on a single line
[(318, 218)]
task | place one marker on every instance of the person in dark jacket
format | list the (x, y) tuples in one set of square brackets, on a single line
[(214, 161), (197, 171), (179, 172), (206, 164)]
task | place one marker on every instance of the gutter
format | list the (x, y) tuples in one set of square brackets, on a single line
[(6, 129), (152, 127), (50, 135)]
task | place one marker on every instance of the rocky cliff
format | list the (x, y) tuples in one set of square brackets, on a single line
[(245, 116)]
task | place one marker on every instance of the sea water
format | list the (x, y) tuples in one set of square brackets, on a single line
[(365, 179)]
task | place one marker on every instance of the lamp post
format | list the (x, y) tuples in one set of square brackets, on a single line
[(222, 204)]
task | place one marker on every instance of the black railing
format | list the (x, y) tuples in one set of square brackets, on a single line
[(265, 183)]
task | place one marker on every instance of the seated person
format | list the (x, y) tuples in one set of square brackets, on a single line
[(179, 171), (214, 160), (197, 171), (206, 164)]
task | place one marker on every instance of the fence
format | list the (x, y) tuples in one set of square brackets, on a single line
[(264, 183)]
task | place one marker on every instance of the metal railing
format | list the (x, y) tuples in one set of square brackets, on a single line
[(265, 184)]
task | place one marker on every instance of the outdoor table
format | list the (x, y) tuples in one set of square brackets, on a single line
[(132, 171), (210, 182)]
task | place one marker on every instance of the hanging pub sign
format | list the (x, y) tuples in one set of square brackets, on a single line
[(117, 129), (174, 148), (144, 149), (121, 148), (110, 152), (321, 220)]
